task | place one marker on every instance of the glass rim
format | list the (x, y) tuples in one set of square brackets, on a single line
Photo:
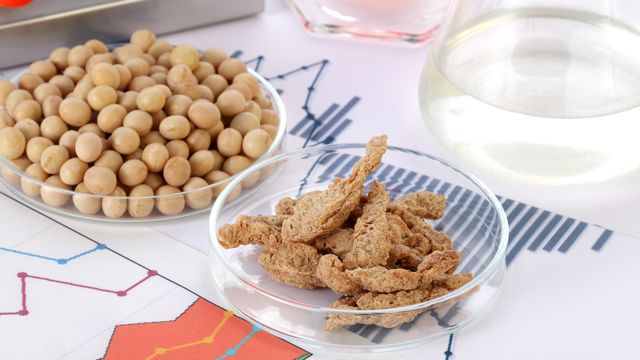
[(478, 279), (275, 144)]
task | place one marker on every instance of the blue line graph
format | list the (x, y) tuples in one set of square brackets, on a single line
[(448, 353), (311, 127), (234, 350), (257, 61), (306, 106), (60, 261)]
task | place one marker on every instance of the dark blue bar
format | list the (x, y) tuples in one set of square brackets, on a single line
[(334, 165), (406, 181), (355, 328), (326, 158), (382, 334), (236, 54), (311, 122), (454, 193), (483, 209), (606, 235), (331, 138), (566, 245), (450, 201), (515, 230), (527, 235), (367, 331), (453, 230), (300, 125), (344, 171), (432, 185), (545, 232), (507, 204), (408, 325), (418, 186), (515, 212), (382, 176), (328, 173), (470, 266), (395, 178), (558, 235), (326, 127), (457, 242), (458, 205), (444, 188), (451, 313)]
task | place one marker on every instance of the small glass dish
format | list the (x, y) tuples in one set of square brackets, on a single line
[(474, 219), (64, 202), (412, 22)]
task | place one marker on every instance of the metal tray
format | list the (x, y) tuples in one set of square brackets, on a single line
[(32, 31)]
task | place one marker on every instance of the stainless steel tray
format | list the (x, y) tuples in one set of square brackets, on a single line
[(31, 32)]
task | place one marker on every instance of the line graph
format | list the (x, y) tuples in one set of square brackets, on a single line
[(190, 336), (60, 261), (257, 60), (306, 106), (23, 291), (234, 350), (23, 276), (206, 340), (311, 127), (130, 345), (449, 353)]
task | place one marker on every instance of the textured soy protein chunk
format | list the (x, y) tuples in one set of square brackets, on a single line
[(371, 242), (257, 230), (320, 215), (292, 263)]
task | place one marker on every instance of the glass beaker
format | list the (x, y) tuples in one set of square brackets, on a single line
[(409, 21), (542, 91)]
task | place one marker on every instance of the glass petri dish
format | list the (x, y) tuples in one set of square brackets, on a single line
[(474, 219)]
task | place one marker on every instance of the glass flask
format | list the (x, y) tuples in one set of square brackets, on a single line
[(541, 91), (403, 21)]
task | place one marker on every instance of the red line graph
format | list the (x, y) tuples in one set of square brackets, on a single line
[(23, 288)]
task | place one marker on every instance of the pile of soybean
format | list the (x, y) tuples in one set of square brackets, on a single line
[(144, 119)]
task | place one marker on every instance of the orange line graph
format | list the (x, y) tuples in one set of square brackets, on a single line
[(206, 340), (203, 331)]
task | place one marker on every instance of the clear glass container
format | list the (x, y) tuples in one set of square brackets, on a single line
[(474, 219), (539, 91), (408, 21), (51, 198)]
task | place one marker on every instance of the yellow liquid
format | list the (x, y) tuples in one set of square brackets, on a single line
[(538, 108)]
